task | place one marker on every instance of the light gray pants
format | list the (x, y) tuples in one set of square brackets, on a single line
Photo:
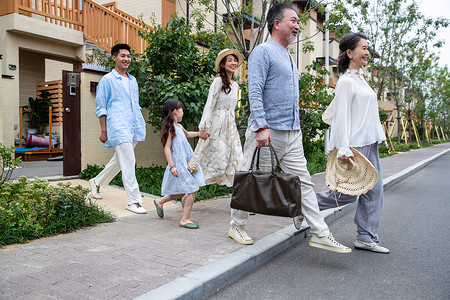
[(125, 161), (289, 149), (370, 204)]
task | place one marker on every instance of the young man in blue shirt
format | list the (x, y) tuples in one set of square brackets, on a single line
[(122, 126)]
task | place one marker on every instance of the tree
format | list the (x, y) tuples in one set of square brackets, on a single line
[(244, 22), (238, 17), (393, 28), (314, 99), (439, 102), (177, 64), (418, 83), (399, 35), (174, 67)]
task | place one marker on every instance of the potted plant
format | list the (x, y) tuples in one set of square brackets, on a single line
[(37, 111)]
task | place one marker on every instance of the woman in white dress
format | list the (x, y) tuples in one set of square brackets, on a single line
[(220, 154)]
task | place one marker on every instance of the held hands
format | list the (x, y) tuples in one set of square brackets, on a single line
[(174, 171), (203, 134), (103, 136), (263, 138)]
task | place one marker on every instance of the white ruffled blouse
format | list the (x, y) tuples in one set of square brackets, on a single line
[(356, 121)]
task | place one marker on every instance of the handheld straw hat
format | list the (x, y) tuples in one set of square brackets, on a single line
[(354, 178), (226, 52)]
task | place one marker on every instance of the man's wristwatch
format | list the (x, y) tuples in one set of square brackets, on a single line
[(263, 128)]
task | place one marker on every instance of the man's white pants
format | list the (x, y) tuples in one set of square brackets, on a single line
[(123, 159), (289, 149)]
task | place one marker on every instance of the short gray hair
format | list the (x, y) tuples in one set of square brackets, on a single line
[(276, 12)]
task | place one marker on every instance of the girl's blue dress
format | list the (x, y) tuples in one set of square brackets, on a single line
[(186, 182)]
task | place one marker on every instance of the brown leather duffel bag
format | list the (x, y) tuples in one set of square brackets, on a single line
[(269, 193)]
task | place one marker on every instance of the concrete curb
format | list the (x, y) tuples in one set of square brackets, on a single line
[(209, 279), (53, 178), (391, 180)]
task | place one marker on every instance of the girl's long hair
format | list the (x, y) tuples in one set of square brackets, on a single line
[(348, 41), (167, 126), (226, 84)]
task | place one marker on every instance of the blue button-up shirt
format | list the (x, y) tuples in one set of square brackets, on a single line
[(273, 88), (124, 120)]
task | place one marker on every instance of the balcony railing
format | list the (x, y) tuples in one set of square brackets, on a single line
[(103, 25), (106, 27), (65, 13)]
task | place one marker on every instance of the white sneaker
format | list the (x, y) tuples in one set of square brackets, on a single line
[(374, 247), (240, 235), (95, 189), (136, 208), (328, 243), (298, 222)]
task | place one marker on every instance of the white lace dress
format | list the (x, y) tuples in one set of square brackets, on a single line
[(220, 155)]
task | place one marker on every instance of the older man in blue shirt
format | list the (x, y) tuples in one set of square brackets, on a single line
[(274, 117), (122, 126)]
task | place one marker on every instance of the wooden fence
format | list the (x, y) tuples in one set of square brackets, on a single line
[(54, 88)]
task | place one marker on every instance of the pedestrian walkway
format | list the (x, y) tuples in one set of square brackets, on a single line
[(145, 257)]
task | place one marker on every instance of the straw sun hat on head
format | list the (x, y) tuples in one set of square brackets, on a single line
[(354, 178), (226, 52)]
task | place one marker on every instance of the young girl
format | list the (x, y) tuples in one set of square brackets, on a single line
[(178, 182)]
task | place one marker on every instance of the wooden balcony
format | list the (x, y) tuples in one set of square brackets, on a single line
[(65, 13), (104, 25)]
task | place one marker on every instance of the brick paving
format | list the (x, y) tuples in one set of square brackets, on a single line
[(136, 254)]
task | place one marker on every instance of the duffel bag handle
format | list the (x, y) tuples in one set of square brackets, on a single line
[(272, 156)]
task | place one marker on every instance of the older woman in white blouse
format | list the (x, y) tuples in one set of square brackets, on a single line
[(356, 123)]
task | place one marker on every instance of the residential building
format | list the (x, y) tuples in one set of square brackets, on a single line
[(41, 38)]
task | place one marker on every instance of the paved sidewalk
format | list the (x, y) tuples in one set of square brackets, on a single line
[(150, 258)]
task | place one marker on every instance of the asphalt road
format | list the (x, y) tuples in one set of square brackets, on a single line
[(415, 227)]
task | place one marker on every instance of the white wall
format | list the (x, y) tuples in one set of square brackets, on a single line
[(6, 110), (54, 68)]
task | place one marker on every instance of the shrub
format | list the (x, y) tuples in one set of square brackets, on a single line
[(413, 145), (173, 66), (318, 163), (315, 156), (7, 163), (91, 171), (30, 210), (401, 147)]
